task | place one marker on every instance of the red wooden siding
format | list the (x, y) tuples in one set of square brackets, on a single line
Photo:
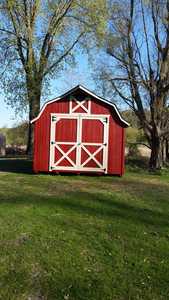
[(66, 130), (88, 134), (116, 151)]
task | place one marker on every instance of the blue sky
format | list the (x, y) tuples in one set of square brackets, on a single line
[(80, 74)]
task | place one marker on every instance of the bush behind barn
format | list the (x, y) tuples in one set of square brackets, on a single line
[(16, 138)]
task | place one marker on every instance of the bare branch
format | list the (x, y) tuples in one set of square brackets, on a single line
[(146, 38), (139, 143), (127, 100), (55, 64), (140, 64), (7, 31), (155, 24)]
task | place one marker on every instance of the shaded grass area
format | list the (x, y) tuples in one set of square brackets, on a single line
[(137, 163), (16, 165), (80, 237)]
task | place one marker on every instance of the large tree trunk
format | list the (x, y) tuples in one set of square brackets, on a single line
[(34, 95), (164, 151), (167, 149), (34, 107), (156, 158)]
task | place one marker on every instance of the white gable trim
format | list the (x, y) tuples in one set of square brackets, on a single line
[(89, 93)]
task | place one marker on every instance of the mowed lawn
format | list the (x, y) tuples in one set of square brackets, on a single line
[(83, 238)]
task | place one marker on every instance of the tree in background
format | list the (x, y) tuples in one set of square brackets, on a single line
[(36, 42), (135, 67), (16, 135)]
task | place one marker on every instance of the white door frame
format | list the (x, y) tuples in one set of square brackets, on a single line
[(78, 145)]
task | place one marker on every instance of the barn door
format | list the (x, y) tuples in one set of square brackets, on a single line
[(79, 143), (63, 142), (94, 143)]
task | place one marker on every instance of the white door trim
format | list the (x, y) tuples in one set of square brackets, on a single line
[(78, 144)]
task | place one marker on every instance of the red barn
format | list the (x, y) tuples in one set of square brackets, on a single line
[(79, 132)]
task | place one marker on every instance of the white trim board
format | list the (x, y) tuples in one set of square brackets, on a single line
[(78, 145), (89, 93)]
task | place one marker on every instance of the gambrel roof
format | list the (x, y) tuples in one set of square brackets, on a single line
[(80, 87)]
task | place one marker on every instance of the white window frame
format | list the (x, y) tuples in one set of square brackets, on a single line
[(72, 110)]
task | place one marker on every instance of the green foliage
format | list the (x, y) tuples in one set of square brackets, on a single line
[(133, 150), (96, 16), (17, 135), (38, 42), (83, 238), (141, 137), (4, 131), (131, 135), (130, 116), (135, 135)]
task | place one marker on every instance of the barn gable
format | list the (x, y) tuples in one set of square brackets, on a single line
[(80, 102)]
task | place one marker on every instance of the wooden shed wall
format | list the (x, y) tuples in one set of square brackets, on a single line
[(42, 136)]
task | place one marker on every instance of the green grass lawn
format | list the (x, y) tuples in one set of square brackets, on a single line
[(80, 237)]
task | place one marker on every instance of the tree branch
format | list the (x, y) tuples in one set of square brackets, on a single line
[(7, 31), (156, 34), (141, 66), (48, 40), (139, 143), (128, 101), (146, 38), (50, 68)]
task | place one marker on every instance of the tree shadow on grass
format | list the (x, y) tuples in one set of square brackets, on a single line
[(92, 203), (112, 207), (97, 205), (15, 165)]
